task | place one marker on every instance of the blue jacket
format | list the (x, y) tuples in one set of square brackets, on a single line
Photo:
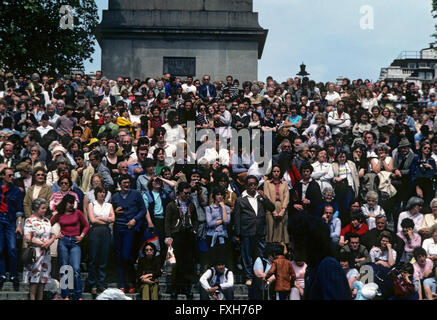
[(165, 199), (134, 208), (203, 93), (14, 200)]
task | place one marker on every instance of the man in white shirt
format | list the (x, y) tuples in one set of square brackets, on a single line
[(44, 127), (217, 282), (175, 134), (250, 224), (188, 87), (338, 119), (332, 96)]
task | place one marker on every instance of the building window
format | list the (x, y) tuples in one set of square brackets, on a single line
[(412, 65), (423, 65), (180, 66)]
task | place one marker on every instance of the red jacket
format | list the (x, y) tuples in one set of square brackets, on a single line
[(362, 229)]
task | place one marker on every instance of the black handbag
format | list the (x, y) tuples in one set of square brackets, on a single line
[(28, 256)]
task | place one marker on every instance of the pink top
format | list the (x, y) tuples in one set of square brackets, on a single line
[(410, 245), (300, 273), (418, 270), (71, 223)]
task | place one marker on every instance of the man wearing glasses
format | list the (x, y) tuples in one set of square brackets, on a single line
[(207, 91), (11, 213), (250, 224), (180, 232)]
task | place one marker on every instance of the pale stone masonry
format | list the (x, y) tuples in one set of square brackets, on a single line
[(216, 37)]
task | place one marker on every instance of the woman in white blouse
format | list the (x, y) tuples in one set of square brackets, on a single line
[(368, 101), (322, 173), (346, 183), (101, 215)]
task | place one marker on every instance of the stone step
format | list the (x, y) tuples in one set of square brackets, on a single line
[(163, 287)]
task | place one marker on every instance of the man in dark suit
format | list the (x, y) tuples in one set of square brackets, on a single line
[(307, 196), (207, 91), (250, 224)]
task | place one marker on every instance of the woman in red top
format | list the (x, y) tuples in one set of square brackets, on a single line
[(357, 225), (74, 227)]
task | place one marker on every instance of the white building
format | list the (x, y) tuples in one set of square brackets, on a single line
[(412, 66)]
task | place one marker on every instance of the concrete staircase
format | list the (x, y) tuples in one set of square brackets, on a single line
[(240, 290)]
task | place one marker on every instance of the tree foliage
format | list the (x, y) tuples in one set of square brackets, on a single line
[(31, 38)]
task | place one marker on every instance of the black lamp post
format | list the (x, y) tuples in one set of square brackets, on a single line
[(303, 72)]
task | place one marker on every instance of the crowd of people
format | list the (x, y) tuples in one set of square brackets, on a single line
[(91, 166)]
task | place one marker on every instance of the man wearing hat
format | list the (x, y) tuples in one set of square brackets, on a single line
[(400, 177)]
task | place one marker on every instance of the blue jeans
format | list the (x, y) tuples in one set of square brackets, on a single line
[(69, 254), (8, 243), (251, 248), (123, 242), (99, 239)]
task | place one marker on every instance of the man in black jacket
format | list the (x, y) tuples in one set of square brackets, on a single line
[(250, 224), (307, 196), (180, 232)]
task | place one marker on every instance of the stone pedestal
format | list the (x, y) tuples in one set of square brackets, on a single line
[(192, 37)]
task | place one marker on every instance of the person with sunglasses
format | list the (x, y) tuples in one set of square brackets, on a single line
[(180, 231), (11, 213)]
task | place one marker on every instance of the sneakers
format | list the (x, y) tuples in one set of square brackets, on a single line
[(248, 282)]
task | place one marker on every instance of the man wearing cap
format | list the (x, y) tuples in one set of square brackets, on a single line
[(11, 213), (65, 123), (402, 161)]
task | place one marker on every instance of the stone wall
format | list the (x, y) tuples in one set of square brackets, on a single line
[(216, 58), (183, 5)]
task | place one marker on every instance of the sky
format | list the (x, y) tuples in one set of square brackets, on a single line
[(327, 36)]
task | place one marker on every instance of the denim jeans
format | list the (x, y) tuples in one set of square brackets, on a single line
[(69, 254), (99, 239), (123, 242), (8, 245), (251, 248)]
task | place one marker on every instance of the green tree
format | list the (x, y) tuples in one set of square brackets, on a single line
[(31, 38)]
